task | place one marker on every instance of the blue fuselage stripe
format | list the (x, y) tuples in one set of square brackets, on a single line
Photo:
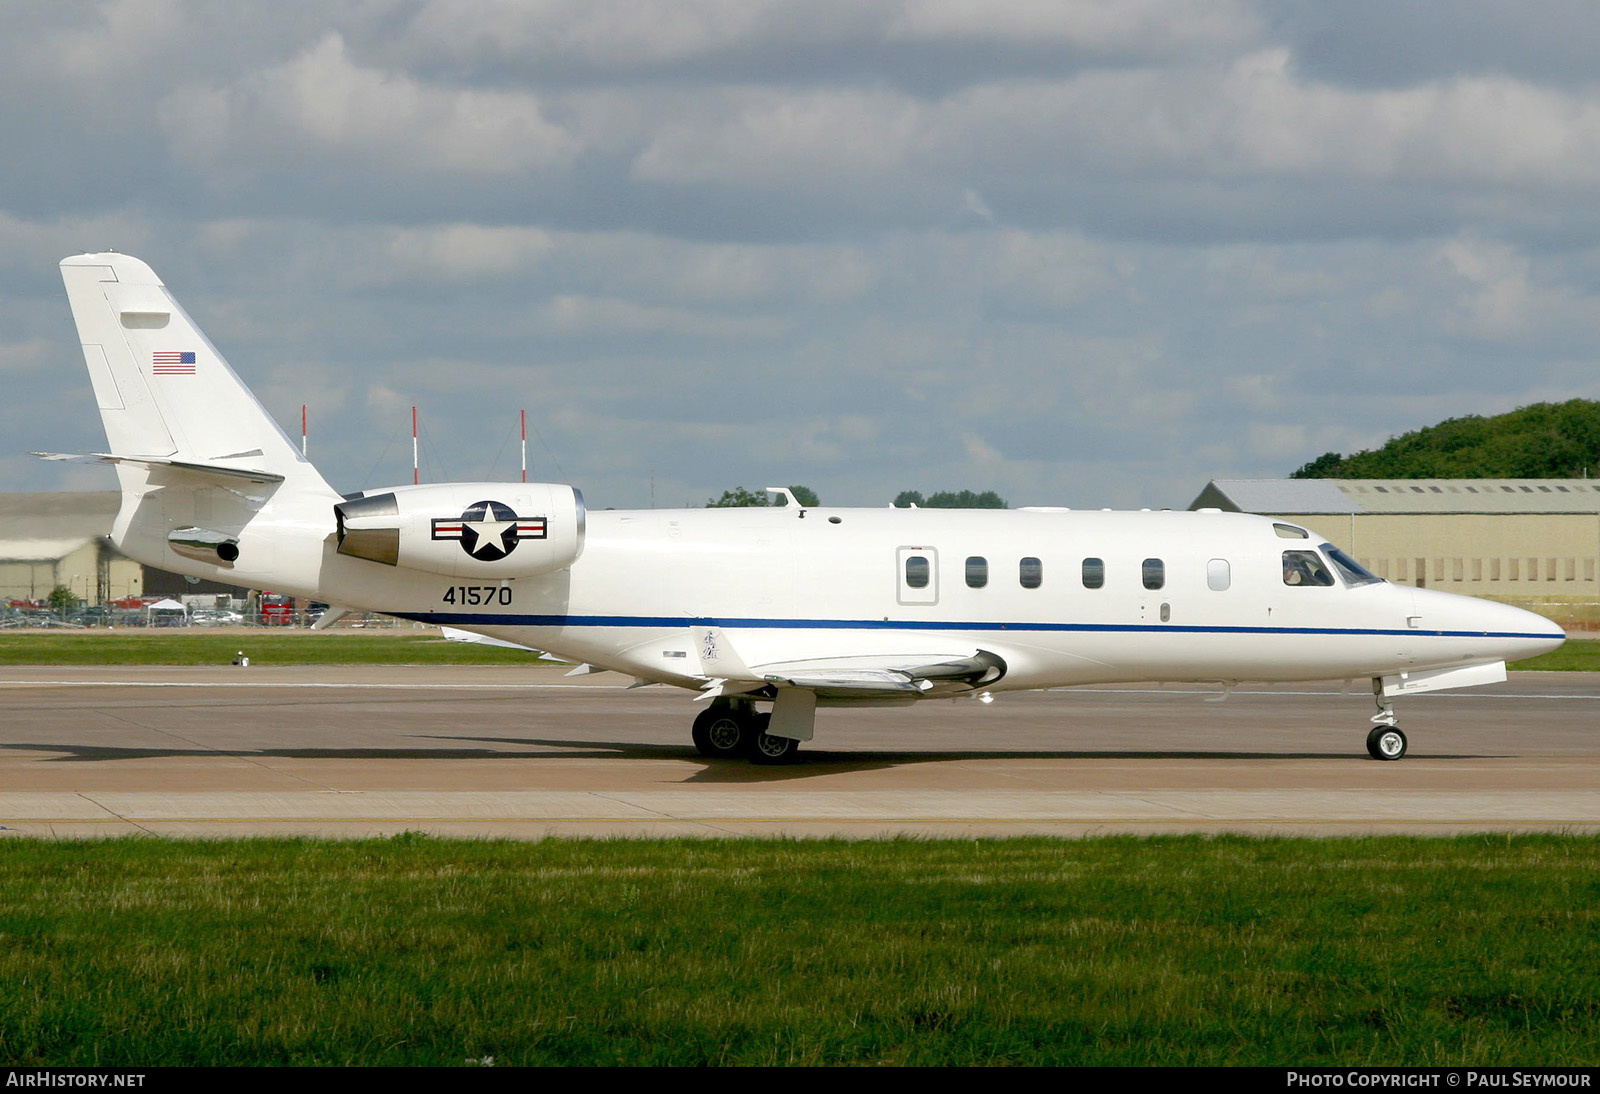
[(500, 619)]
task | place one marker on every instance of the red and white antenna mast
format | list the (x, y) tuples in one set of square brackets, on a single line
[(524, 446), (416, 468), (302, 430)]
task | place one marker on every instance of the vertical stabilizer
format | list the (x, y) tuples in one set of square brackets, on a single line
[(163, 389)]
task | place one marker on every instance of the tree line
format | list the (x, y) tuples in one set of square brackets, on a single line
[(739, 498), (1541, 441)]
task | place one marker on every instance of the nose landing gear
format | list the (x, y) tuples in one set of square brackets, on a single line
[(1385, 741)]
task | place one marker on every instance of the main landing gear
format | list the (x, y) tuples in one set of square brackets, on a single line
[(1385, 741), (726, 730)]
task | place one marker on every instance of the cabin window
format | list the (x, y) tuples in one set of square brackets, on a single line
[(917, 572), (1154, 572), (1218, 577), (977, 572), (1305, 568), (1094, 573), (1030, 571)]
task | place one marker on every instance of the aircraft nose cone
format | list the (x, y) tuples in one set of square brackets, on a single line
[(1510, 633)]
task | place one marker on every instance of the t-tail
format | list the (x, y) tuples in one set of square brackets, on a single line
[(199, 459), (213, 488)]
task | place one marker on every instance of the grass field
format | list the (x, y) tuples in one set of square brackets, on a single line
[(1578, 655), (1181, 950), (268, 647)]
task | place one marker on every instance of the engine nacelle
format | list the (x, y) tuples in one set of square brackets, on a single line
[(466, 529)]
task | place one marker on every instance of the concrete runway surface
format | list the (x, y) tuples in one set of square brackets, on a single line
[(526, 752)]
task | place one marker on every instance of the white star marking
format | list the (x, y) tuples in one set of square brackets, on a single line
[(490, 531)]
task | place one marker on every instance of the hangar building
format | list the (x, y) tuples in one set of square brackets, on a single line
[(1505, 538), (61, 539)]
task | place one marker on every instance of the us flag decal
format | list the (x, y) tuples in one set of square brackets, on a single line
[(172, 363)]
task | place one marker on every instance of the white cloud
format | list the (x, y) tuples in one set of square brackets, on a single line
[(1139, 26), (1499, 296), (127, 40), (322, 104), (604, 32), (464, 252), (770, 138), (571, 315)]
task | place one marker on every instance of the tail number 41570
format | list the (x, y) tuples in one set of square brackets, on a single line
[(472, 595)]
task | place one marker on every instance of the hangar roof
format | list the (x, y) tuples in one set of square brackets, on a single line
[(1314, 496), (35, 527)]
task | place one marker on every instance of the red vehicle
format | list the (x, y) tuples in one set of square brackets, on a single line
[(276, 610)]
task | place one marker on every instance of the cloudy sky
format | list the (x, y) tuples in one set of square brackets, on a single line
[(1080, 252)]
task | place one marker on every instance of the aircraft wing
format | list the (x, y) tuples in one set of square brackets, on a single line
[(456, 634), (887, 676)]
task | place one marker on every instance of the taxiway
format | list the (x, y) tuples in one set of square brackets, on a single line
[(527, 752)]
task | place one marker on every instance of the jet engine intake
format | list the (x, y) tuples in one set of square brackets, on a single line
[(482, 530)]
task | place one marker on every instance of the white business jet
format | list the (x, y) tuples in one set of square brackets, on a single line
[(788, 608)]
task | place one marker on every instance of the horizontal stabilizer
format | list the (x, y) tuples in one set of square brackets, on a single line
[(208, 470)]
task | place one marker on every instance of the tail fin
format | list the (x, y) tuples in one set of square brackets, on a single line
[(166, 395)]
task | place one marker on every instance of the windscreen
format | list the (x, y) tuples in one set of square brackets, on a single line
[(1351, 571)]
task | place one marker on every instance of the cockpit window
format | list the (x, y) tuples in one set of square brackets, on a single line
[(1305, 568), (1349, 569)]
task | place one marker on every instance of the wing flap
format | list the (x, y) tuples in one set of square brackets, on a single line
[(915, 676)]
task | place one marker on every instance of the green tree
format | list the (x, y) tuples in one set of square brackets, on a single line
[(966, 499), (740, 498), (806, 496), (951, 499), (1541, 441), (63, 601), (1323, 467)]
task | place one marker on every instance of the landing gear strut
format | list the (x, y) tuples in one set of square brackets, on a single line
[(1385, 741)]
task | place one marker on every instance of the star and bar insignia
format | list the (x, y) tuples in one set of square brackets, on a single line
[(489, 530)]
